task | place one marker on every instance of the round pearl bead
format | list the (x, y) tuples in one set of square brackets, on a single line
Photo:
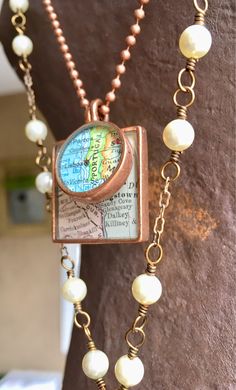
[(22, 45), (74, 290), (146, 289), (43, 182), (36, 130), (129, 372), (178, 135), (21, 5), (95, 364), (195, 41)]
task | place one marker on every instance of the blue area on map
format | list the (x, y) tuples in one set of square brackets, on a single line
[(73, 168)]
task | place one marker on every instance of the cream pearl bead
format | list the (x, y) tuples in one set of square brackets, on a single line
[(43, 182), (36, 130), (95, 364), (21, 5), (74, 290), (178, 135), (146, 289), (129, 372), (195, 41), (22, 45)]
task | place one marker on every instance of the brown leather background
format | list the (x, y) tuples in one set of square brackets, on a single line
[(190, 333)]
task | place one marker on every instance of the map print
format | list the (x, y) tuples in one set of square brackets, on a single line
[(89, 158), (115, 219)]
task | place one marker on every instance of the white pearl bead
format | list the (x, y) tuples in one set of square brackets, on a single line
[(21, 5), (74, 290), (43, 182), (195, 41), (129, 372), (146, 289), (95, 364), (36, 130), (178, 135), (22, 45)]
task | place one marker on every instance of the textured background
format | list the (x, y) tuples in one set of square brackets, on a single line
[(191, 330)]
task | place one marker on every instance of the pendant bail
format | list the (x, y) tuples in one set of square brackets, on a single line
[(92, 113)]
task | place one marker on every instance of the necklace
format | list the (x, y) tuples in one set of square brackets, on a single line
[(111, 164), (178, 135)]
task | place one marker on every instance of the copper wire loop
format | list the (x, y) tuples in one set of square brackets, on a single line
[(25, 65), (43, 161), (157, 259), (181, 85), (88, 334), (139, 322), (18, 21), (200, 9), (85, 315), (176, 174), (92, 112), (65, 265), (133, 332), (188, 90)]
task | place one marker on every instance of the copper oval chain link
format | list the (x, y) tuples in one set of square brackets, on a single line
[(18, 20), (188, 90), (181, 84), (200, 9)]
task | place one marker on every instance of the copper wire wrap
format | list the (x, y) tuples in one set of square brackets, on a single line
[(191, 64), (199, 18), (175, 156), (101, 384)]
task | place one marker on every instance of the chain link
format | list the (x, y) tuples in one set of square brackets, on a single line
[(26, 68), (18, 20), (200, 9)]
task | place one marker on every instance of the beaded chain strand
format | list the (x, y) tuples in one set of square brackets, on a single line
[(178, 135), (125, 55)]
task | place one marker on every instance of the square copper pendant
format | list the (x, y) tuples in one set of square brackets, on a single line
[(124, 218)]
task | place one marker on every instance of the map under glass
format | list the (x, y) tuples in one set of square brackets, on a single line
[(89, 158), (113, 219)]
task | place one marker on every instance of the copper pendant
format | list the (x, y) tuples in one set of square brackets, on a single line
[(100, 185), (122, 218)]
